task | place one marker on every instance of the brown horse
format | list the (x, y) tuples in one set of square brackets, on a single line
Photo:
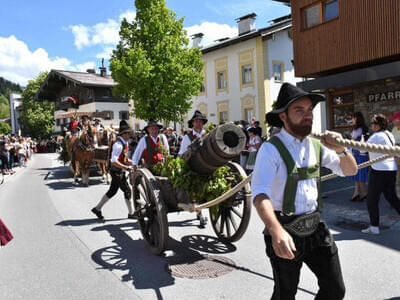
[(81, 151), (106, 139)]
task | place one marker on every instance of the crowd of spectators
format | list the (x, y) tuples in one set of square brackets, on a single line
[(15, 151)]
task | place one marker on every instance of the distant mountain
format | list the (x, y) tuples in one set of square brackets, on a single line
[(6, 87)]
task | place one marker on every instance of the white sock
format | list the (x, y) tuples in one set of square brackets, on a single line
[(129, 204)]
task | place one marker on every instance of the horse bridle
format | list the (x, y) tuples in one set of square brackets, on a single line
[(89, 138)]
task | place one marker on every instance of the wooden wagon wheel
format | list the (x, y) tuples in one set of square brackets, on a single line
[(231, 217), (152, 216)]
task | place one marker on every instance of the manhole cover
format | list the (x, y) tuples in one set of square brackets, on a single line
[(355, 225), (206, 266)]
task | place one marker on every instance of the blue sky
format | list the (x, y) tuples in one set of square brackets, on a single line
[(74, 35)]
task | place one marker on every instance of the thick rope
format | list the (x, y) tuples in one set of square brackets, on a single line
[(389, 150), (385, 149)]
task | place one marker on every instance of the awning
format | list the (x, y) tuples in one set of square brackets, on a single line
[(352, 78), (99, 114)]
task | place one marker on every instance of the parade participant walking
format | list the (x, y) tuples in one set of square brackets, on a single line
[(253, 146), (396, 133), (149, 145), (359, 133), (196, 124), (382, 177), (119, 164), (285, 192)]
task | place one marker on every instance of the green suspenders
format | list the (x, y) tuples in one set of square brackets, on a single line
[(295, 174)]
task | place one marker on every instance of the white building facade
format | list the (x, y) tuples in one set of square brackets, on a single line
[(243, 75), (15, 110)]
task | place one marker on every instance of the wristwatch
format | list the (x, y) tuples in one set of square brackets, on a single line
[(343, 153)]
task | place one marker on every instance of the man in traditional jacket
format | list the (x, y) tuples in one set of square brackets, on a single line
[(119, 164), (149, 146), (196, 124), (286, 193)]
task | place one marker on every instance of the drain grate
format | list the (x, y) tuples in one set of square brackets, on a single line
[(206, 266), (355, 225)]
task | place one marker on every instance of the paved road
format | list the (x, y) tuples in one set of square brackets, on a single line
[(61, 251)]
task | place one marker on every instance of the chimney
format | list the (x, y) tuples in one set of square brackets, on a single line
[(91, 71), (196, 38), (246, 23), (103, 70)]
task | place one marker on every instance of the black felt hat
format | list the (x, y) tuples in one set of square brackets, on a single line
[(124, 127), (287, 95), (197, 116), (152, 123)]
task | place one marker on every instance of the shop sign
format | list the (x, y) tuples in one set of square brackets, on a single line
[(385, 96)]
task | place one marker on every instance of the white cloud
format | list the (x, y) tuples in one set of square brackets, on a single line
[(129, 15), (81, 34), (104, 33), (19, 64), (212, 31), (83, 67), (106, 54)]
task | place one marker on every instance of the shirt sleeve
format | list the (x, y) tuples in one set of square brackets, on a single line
[(184, 145), (265, 170), (331, 161), (165, 142), (137, 155), (116, 151)]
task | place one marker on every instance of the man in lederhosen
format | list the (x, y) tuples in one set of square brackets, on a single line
[(196, 124), (285, 192), (149, 145), (119, 164)]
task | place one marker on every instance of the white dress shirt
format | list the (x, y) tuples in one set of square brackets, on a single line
[(142, 146), (117, 149), (186, 141), (382, 138), (270, 173)]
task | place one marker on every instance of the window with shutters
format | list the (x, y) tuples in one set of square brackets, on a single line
[(123, 115)]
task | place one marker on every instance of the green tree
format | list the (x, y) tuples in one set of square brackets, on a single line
[(3, 99), (153, 64), (37, 118), (4, 128), (4, 107)]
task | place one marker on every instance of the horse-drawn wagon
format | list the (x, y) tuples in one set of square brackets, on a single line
[(155, 196)]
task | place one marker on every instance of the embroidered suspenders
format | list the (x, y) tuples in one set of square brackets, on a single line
[(295, 174)]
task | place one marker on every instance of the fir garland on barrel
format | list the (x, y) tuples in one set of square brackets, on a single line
[(200, 188)]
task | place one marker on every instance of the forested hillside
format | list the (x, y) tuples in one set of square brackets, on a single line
[(6, 88)]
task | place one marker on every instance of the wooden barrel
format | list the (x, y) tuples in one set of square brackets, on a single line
[(217, 148), (101, 154)]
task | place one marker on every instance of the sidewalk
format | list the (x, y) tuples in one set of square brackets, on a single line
[(353, 215), (17, 170)]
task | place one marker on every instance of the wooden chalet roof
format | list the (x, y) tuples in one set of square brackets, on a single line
[(86, 79), (57, 79)]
